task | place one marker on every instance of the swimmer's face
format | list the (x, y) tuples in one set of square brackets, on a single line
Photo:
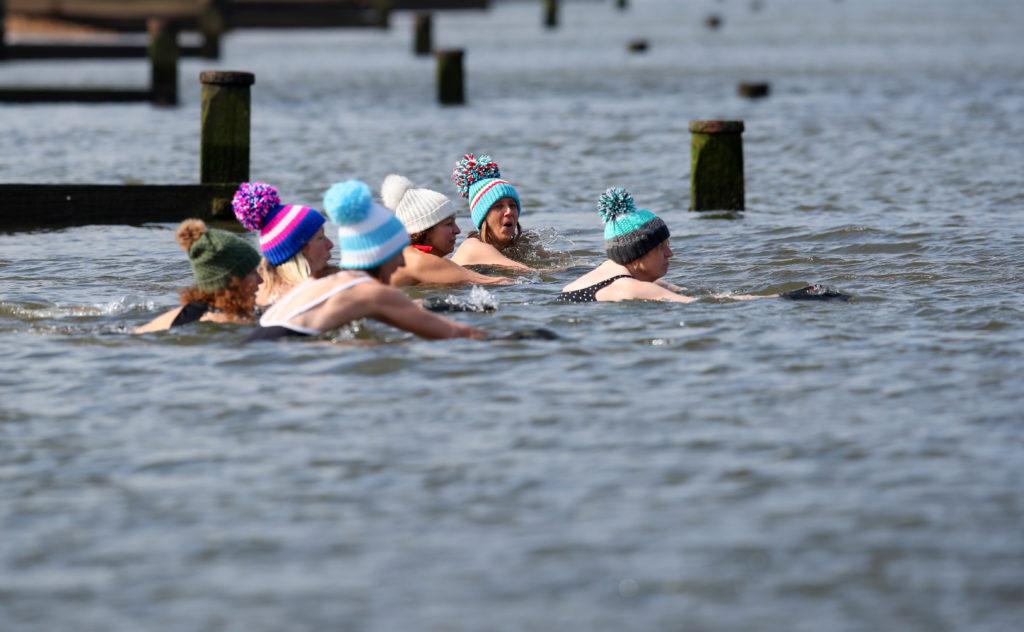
[(501, 220), (653, 265), (317, 252), (441, 237), (389, 267)]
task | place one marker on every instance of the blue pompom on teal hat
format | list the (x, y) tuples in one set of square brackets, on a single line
[(478, 179), (629, 232), (368, 234)]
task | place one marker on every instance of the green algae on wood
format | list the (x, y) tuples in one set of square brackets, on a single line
[(212, 24), (551, 13), (716, 166), (163, 59), (450, 80), (224, 131), (423, 28)]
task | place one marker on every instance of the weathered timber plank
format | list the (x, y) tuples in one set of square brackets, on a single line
[(29, 206)]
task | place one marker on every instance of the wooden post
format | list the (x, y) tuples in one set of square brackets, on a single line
[(551, 14), (423, 34), (3, 29), (638, 46), (163, 59), (211, 26), (716, 166), (753, 89), (622, 4), (224, 132), (450, 82), (384, 9)]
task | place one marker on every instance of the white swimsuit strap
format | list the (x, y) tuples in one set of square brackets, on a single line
[(284, 322)]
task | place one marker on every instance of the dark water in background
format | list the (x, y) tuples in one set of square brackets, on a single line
[(716, 466)]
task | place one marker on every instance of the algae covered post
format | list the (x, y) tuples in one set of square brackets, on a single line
[(716, 166), (163, 58), (450, 81), (423, 34), (551, 14), (224, 133), (211, 21), (3, 29)]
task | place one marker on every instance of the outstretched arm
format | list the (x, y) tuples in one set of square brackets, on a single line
[(396, 309), (445, 272), (160, 323), (635, 290), (474, 252)]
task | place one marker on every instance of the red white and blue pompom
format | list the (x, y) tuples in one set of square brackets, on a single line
[(253, 202), (471, 169), (614, 203)]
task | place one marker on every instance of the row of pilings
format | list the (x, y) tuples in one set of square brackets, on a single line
[(716, 175)]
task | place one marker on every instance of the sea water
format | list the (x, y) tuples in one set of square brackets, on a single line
[(720, 465)]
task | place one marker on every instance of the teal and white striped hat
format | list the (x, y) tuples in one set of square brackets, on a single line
[(629, 232), (368, 234)]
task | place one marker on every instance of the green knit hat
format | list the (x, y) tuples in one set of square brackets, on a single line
[(629, 232), (216, 255)]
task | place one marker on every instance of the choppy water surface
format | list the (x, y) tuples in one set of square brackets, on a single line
[(717, 466)]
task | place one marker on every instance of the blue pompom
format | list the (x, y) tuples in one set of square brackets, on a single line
[(614, 203), (348, 202)]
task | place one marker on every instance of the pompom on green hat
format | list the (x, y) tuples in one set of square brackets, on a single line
[(216, 255), (629, 232)]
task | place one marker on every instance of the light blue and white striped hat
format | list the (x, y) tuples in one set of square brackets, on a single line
[(368, 233)]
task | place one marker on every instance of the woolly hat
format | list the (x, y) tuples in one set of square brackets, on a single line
[(368, 233), (417, 209), (216, 255), (629, 232), (479, 181), (284, 228)]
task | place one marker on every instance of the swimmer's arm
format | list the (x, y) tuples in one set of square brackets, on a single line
[(668, 285), (634, 290), (396, 309), (160, 323), (474, 252), (444, 272)]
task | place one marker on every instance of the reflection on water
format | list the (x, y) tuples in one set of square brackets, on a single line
[(767, 464)]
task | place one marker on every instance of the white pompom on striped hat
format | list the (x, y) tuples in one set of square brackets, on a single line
[(417, 209), (368, 234)]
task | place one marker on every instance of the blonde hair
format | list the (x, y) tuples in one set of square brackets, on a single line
[(291, 272)]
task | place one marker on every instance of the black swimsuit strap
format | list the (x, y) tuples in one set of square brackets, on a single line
[(589, 294), (190, 314)]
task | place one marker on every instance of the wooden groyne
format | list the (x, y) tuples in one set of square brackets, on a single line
[(163, 56), (117, 15), (224, 154)]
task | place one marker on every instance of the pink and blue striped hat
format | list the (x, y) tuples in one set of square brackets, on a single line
[(284, 228)]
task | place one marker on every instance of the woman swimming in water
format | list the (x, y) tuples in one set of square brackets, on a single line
[(224, 267), (495, 209), (636, 241), (371, 240), (429, 218), (291, 238)]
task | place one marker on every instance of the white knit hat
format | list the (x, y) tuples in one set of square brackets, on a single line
[(418, 209)]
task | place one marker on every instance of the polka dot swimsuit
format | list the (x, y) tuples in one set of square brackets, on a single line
[(588, 294)]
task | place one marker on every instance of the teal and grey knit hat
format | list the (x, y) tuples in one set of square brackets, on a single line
[(217, 256), (629, 232)]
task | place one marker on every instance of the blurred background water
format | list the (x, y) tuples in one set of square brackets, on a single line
[(714, 466)]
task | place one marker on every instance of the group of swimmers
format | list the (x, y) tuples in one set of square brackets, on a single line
[(405, 241)]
